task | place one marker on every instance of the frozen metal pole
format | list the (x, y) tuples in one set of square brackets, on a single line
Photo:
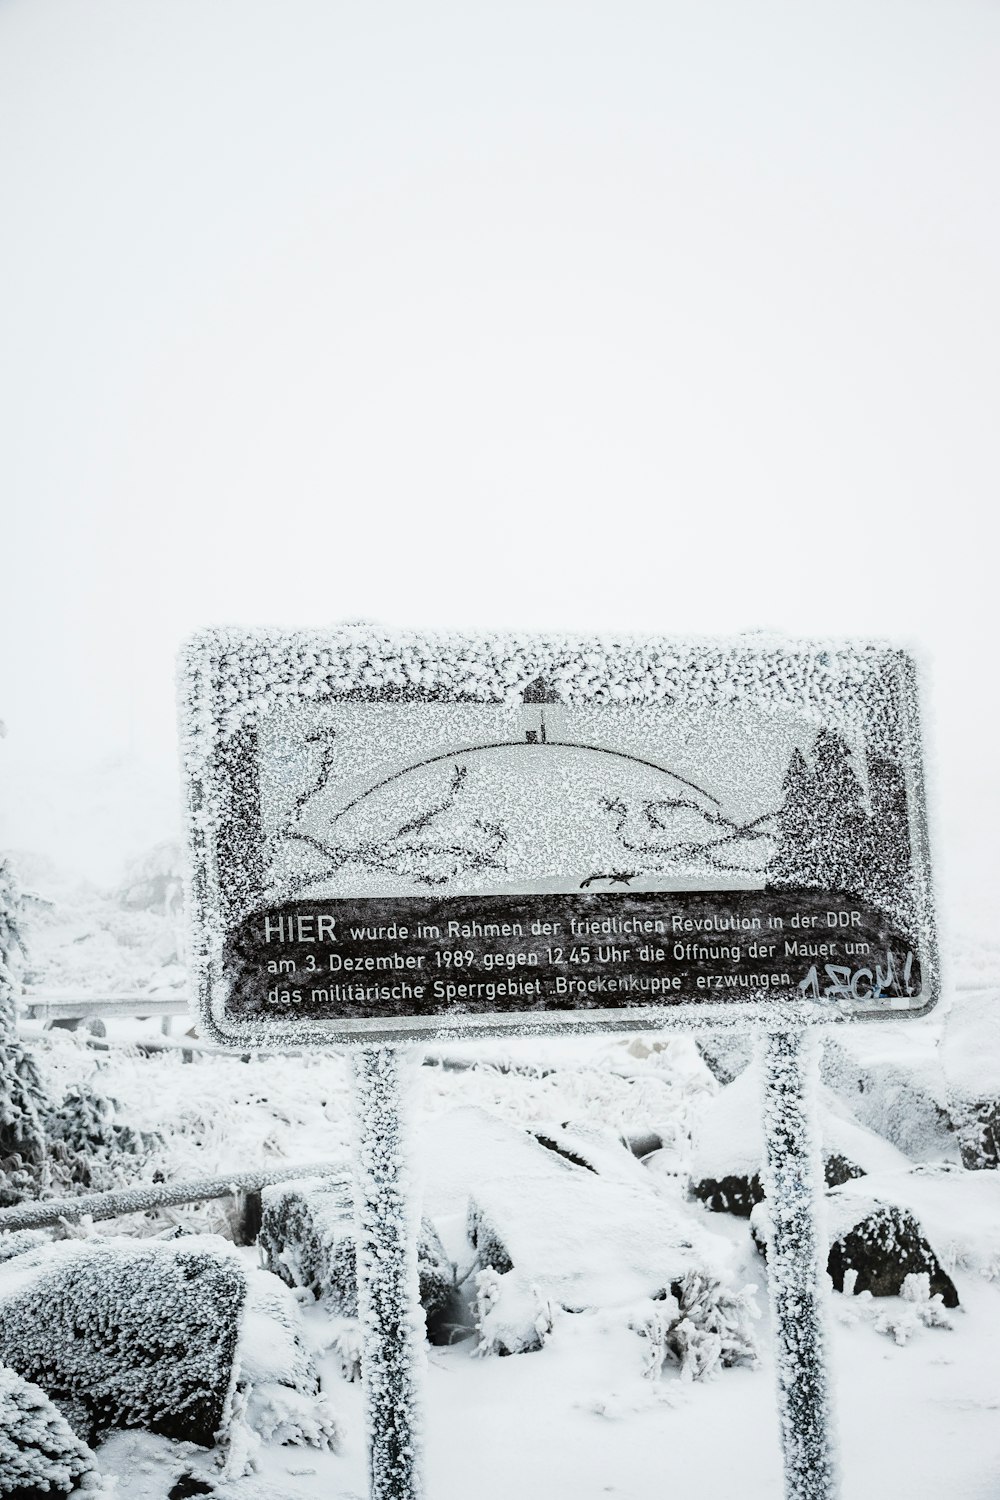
[(392, 1320), (796, 1265)]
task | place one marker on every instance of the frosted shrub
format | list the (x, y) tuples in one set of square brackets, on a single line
[(512, 1316), (127, 1334), (17, 1241), (40, 1455), (916, 1309), (699, 1325), (88, 1146), (278, 1380)]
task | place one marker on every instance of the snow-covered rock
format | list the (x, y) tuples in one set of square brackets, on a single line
[(892, 1080), (883, 1245), (728, 1148), (598, 1149), (958, 1211), (41, 1456), (307, 1238), (283, 1402), (580, 1238), (565, 1219), (177, 1338), (874, 1247)]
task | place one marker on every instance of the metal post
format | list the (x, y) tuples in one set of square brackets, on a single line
[(392, 1320), (793, 1183)]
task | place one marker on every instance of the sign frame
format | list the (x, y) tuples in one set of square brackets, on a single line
[(232, 683)]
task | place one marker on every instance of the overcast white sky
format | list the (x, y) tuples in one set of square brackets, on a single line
[(667, 316)]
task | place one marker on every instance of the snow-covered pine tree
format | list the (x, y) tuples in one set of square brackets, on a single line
[(22, 1098), (824, 829), (841, 815), (794, 862)]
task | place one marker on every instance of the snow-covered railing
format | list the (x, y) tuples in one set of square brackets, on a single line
[(50, 1212), (40, 1007)]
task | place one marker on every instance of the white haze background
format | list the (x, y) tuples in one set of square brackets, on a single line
[(664, 316)]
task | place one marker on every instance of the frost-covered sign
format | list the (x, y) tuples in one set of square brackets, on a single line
[(399, 834)]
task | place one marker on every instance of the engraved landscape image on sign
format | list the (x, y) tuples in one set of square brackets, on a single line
[(386, 799), (370, 809)]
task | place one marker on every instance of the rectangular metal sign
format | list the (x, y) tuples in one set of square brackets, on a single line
[(401, 835)]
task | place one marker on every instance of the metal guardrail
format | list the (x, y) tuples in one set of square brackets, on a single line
[(107, 1007), (49, 1213)]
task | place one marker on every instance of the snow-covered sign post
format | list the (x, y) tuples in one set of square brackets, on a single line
[(404, 837)]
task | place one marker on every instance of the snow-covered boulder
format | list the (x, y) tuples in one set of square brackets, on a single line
[(958, 1211), (41, 1456), (877, 1246), (892, 1080), (874, 1247), (971, 1057), (127, 1334), (598, 1149), (176, 1338), (573, 1237), (566, 1220), (307, 1237), (728, 1149)]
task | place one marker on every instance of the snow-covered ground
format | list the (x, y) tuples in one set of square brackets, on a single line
[(917, 1402)]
